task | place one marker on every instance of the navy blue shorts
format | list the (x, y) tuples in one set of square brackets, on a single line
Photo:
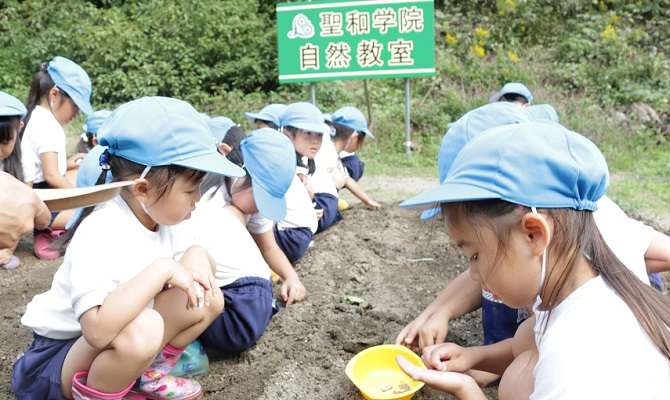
[(294, 242), (327, 203), (245, 316), (355, 167), (499, 321), (656, 282), (37, 373)]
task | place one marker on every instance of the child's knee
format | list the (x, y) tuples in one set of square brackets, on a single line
[(142, 338)]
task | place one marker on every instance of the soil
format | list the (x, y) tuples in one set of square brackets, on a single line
[(389, 257)]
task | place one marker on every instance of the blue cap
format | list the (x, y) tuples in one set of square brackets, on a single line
[(157, 131), (94, 121), (470, 125), (90, 169), (305, 116), (536, 164), (219, 127), (353, 118), (10, 106), (543, 111), (74, 81), (269, 157), (512, 87), (327, 117), (270, 113)]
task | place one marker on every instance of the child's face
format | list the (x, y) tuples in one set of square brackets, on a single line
[(307, 144), (64, 110), (513, 277), (7, 147), (177, 203), (243, 198)]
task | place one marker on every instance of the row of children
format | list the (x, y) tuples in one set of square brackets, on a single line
[(561, 273), (113, 316)]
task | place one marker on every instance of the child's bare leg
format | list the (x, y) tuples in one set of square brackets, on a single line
[(517, 382), (112, 369), (183, 326)]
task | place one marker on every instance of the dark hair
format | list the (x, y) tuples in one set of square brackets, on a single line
[(575, 234), (270, 124), (9, 129), (161, 177), (311, 165), (232, 138), (514, 98), (344, 133), (40, 86)]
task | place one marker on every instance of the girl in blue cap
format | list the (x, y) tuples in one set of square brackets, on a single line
[(259, 198), (242, 273), (12, 112), (532, 238), (120, 307), (89, 138), (57, 93)]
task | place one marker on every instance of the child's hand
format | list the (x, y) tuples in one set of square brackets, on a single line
[(319, 212), (5, 255), (186, 280), (292, 290), (200, 263), (74, 161), (423, 332), (447, 357), (373, 204), (458, 385)]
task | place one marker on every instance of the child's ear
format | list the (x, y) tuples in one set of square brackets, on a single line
[(537, 230), (94, 140), (225, 148), (141, 190)]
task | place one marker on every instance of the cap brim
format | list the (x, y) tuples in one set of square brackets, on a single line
[(496, 96), (368, 133), (251, 117), (214, 163), (313, 127), (448, 193), (83, 104), (272, 208), (65, 199)]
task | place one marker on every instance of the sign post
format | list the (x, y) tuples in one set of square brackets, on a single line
[(358, 39)]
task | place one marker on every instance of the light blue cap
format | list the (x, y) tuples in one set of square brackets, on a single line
[(270, 113), (269, 157), (543, 111), (353, 118), (470, 125), (157, 131), (220, 126), (536, 164), (95, 120), (512, 87), (305, 116), (327, 117), (10, 106), (74, 81), (87, 175)]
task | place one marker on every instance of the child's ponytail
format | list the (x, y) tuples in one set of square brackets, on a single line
[(40, 86)]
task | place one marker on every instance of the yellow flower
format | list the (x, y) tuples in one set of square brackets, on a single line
[(451, 39), (523, 28), (481, 32), (510, 4), (615, 18), (479, 51), (512, 56), (501, 12), (608, 33)]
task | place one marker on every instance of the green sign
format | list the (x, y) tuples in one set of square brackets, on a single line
[(334, 40)]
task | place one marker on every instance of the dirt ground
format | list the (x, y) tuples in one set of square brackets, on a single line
[(390, 258)]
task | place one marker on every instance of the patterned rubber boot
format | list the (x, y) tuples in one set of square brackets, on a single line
[(155, 383), (193, 361), (82, 392), (42, 240)]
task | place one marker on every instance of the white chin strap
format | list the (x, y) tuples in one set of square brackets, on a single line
[(544, 263), (142, 175)]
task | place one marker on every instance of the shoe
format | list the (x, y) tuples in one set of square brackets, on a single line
[(82, 392), (155, 383), (193, 361), (342, 204), (42, 243), (12, 263)]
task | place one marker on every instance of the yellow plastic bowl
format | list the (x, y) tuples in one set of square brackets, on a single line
[(377, 375)]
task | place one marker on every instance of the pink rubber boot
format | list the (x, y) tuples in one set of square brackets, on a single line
[(42, 243), (155, 383), (82, 392)]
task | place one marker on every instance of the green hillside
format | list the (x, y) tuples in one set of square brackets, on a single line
[(602, 64)]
